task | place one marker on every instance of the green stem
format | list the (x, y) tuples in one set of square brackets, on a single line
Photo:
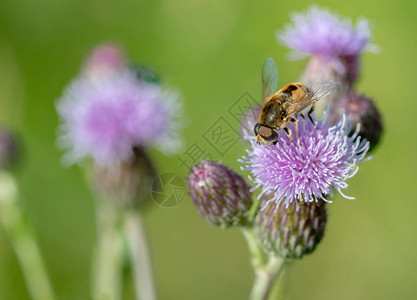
[(108, 264), (265, 278), (257, 257), (265, 273), (23, 241), (280, 289), (140, 258)]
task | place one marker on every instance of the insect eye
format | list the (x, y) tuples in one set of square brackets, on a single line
[(256, 128), (265, 132)]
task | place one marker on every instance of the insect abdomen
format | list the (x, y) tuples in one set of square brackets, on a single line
[(293, 91)]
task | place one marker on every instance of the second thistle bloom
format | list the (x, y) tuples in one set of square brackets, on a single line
[(319, 159), (332, 42), (221, 196), (318, 32), (108, 118)]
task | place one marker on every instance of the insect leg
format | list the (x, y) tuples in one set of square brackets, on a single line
[(288, 132), (310, 111), (296, 126)]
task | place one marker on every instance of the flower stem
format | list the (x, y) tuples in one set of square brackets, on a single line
[(257, 257), (265, 273), (140, 258), (107, 272), (23, 241), (265, 278)]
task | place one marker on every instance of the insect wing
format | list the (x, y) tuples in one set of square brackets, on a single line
[(269, 78), (322, 89), (317, 92)]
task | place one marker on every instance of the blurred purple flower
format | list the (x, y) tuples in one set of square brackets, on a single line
[(318, 32), (106, 119), (104, 61), (319, 160)]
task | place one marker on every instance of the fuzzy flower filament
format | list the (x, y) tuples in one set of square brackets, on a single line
[(321, 158)]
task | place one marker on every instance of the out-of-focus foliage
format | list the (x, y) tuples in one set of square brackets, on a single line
[(212, 51)]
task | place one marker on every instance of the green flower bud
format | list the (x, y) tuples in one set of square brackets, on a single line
[(127, 183), (360, 109), (221, 196), (293, 231)]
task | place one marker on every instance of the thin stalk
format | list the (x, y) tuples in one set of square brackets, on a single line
[(265, 278), (108, 260), (22, 240), (265, 272), (280, 289), (257, 257), (139, 254)]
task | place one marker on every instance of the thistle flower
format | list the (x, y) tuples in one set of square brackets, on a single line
[(106, 119), (320, 159), (221, 196), (333, 43), (360, 109), (318, 32), (293, 231)]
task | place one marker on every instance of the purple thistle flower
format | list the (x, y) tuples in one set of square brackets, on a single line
[(106, 119), (221, 196), (318, 32), (319, 160)]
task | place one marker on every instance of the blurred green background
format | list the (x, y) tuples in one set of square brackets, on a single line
[(212, 52)]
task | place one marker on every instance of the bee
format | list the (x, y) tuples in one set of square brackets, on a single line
[(279, 107)]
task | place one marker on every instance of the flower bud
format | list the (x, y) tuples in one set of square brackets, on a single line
[(320, 69), (8, 149), (352, 67), (127, 183), (293, 231), (145, 73), (105, 61), (343, 70), (221, 196), (360, 109)]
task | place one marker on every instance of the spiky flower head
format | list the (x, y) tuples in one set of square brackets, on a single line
[(319, 32), (106, 119), (360, 109), (332, 41), (293, 231), (319, 159), (221, 196)]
